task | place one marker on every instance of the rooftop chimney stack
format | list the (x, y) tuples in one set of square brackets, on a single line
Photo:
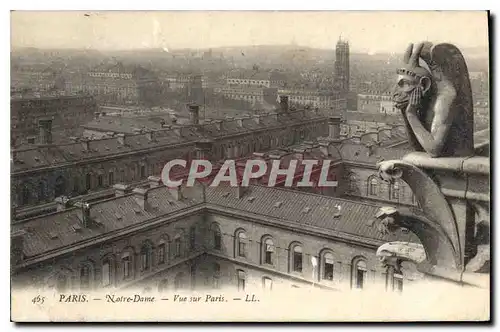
[(284, 103), (154, 181), (121, 189), (85, 144), (17, 239), (83, 213), (141, 197), (194, 114), (323, 148), (150, 135), (334, 127), (218, 124), (45, 131), (176, 192), (62, 203), (121, 138)]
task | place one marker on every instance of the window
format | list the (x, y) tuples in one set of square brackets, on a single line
[(352, 183), (216, 276), (241, 279), (59, 188), (177, 245), (397, 284), (99, 180), (161, 252), (41, 190), (179, 282), (268, 251), (127, 264), (359, 274), (26, 195), (217, 237), (87, 181), (267, 283), (297, 258), (192, 237), (106, 273), (111, 178), (61, 283), (373, 186), (328, 266), (145, 257), (163, 285), (395, 190), (122, 175), (143, 171), (241, 239), (85, 277)]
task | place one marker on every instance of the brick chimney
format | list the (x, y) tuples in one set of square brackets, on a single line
[(45, 131), (194, 114), (154, 181), (17, 239), (284, 103), (121, 189), (62, 203), (141, 197), (83, 212), (121, 139)]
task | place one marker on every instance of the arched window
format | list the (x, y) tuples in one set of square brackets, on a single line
[(127, 264), (373, 186), (241, 242), (146, 251), (353, 186), (395, 190), (267, 283), (180, 281), (25, 195), (106, 272), (42, 191), (216, 276), (296, 258), (61, 282), (59, 187), (359, 273), (178, 246), (267, 250), (327, 266), (163, 285), (162, 252), (88, 179), (216, 236), (241, 275), (111, 178)]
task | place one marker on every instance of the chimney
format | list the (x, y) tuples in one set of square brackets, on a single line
[(45, 131), (141, 197), (334, 127), (121, 189), (179, 130), (121, 139), (194, 114), (83, 213), (256, 118), (371, 149), (62, 203), (154, 181), (176, 192), (17, 247), (240, 191), (150, 135), (97, 115), (284, 103), (240, 122), (85, 144), (218, 124), (323, 148), (174, 121)]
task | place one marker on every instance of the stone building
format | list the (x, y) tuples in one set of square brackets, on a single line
[(65, 113)]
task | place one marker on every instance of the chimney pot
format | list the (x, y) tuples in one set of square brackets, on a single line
[(62, 203), (83, 213), (141, 197), (121, 189)]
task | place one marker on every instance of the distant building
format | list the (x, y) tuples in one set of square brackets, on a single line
[(35, 78), (376, 102), (342, 71)]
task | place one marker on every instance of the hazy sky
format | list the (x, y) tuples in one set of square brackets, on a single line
[(367, 31)]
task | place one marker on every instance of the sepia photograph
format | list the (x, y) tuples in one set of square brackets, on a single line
[(250, 166)]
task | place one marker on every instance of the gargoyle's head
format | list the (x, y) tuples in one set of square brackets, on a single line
[(411, 77)]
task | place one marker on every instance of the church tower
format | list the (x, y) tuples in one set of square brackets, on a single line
[(342, 66)]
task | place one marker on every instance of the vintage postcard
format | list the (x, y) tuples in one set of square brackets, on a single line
[(229, 166)]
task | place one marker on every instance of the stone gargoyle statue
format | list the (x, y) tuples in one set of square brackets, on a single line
[(436, 102)]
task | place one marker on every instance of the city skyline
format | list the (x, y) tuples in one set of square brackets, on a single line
[(213, 29)]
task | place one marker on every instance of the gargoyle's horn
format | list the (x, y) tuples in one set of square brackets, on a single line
[(416, 54), (407, 55)]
